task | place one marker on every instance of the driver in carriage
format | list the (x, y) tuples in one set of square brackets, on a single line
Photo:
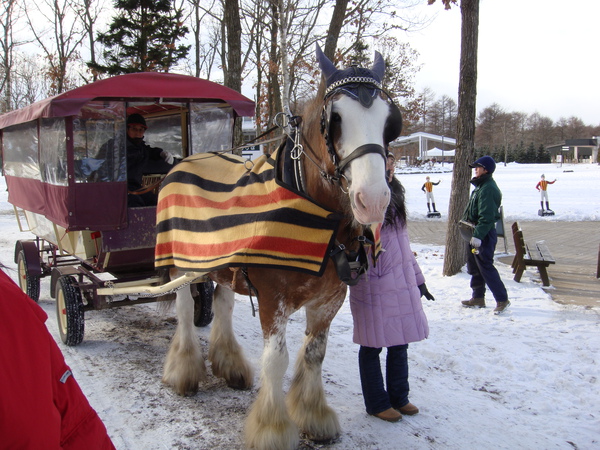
[(138, 155), (140, 158)]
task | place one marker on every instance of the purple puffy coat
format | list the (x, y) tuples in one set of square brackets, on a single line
[(386, 306)]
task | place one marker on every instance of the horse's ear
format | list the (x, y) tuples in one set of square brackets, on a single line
[(325, 64), (378, 65)]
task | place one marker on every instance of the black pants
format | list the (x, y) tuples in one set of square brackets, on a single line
[(482, 270), (376, 398)]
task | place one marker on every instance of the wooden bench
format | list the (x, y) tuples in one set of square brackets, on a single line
[(536, 255)]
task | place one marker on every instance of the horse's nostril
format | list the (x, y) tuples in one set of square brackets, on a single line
[(359, 201)]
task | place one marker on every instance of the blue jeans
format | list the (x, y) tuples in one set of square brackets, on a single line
[(376, 398), (482, 270)]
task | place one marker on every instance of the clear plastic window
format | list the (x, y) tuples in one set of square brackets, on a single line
[(53, 151), (211, 127), (20, 144), (99, 142), (166, 125)]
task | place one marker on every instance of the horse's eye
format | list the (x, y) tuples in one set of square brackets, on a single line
[(336, 118)]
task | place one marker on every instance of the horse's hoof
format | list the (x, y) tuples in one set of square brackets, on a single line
[(183, 389), (319, 441), (240, 383)]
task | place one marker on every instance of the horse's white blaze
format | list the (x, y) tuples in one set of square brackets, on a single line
[(369, 192)]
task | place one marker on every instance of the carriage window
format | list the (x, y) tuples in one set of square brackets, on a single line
[(165, 124), (53, 151), (99, 142), (20, 144), (211, 127)]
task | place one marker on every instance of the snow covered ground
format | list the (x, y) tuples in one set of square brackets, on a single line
[(527, 379), (574, 197)]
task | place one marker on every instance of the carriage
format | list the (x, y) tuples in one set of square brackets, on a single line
[(97, 251)]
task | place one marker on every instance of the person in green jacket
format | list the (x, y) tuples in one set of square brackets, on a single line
[(483, 210)]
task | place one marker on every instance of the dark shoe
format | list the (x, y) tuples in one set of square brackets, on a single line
[(389, 415), (409, 409), (501, 306), (474, 303)]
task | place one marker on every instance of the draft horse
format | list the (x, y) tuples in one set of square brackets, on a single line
[(328, 181)]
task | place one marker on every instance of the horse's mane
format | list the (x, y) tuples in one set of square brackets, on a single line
[(311, 117), (311, 131)]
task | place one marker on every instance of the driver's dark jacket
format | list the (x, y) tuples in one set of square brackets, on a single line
[(137, 157)]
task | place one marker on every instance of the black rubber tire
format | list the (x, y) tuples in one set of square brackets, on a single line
[(30, 284), (203, 299), (69, 311)]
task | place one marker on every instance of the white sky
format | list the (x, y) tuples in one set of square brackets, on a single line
[(534, 55)]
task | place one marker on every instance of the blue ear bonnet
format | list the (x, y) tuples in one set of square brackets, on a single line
[(360, 83)]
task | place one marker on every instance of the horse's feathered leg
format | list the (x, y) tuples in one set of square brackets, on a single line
[(306, 399), (269, 425), (184, 365), (225, 353)]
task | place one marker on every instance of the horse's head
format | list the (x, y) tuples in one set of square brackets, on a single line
[(358, 121)]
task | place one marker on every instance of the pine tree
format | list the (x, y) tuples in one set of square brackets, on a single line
[(142, 38)]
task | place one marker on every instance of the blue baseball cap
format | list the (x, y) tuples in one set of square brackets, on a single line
[(487, 162)]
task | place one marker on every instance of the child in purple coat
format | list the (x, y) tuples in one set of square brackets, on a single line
[(387, 312)]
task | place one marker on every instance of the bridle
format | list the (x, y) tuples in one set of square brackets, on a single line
[(349, 264), (353, 86)]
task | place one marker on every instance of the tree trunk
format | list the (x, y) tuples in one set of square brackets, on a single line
[(454, 258), (233, 28), (335, 27), (283, 45), (273, 90), (233, 77)]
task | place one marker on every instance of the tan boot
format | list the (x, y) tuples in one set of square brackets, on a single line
[(474, 303), (501, 306), (409, 409), (389, 415)]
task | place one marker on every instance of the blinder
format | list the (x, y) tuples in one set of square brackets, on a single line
[(359, 92)]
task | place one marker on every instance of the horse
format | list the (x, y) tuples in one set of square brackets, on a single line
[(333, 165)]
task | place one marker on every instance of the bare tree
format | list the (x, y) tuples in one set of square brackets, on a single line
[(204, 23), (10, 13), (454, 259), (88, 12), (335, 27), (29, 82), (60, 43)]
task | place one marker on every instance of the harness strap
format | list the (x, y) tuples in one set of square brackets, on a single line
[(360, 151), (251, 289), (350, 265)]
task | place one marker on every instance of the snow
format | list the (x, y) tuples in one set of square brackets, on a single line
[(525, 379)]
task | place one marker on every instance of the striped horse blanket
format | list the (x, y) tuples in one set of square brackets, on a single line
[(220, 210)]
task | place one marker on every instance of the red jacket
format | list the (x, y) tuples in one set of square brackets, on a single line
[(41, 404)]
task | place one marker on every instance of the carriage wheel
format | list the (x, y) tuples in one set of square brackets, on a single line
[(30, 284), (69, 311), (203, 297)]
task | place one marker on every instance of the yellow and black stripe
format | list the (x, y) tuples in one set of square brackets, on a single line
[(215, 212)]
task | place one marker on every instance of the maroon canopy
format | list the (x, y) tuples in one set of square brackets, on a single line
[(138, 86)]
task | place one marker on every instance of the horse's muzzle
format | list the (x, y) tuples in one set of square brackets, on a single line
[(369, 204)]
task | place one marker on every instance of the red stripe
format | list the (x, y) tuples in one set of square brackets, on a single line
[(239, 201), (288, 246)]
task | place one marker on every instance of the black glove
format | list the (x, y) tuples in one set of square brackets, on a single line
[(425, 292)]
